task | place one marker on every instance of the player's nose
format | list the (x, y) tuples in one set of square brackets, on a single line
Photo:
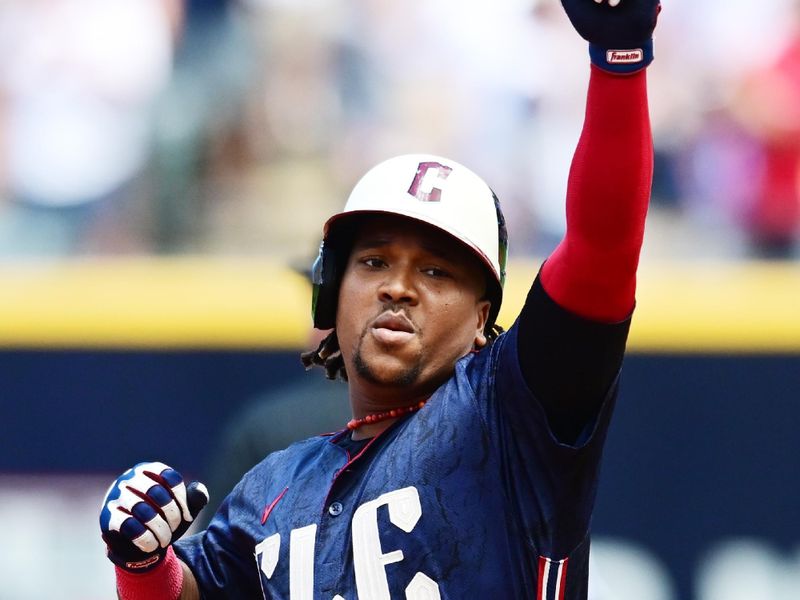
[(398, 286)]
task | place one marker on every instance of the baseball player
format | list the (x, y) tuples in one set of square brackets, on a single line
[(470, 466)]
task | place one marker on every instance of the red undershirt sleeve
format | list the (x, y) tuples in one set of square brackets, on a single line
[(592, 272), (164, 582)]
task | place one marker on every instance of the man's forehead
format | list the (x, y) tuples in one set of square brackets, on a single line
[(379, 230)]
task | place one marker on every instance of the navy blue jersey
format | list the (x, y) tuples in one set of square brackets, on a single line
[(471, 497)]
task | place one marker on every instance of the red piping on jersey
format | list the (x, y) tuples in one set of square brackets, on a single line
[(271, 505), (349, 462), (545, 572), (540, 578)]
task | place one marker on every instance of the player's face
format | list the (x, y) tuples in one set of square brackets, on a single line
[(411, 303)]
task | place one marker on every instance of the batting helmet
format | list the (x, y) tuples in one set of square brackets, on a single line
[(426, 188)]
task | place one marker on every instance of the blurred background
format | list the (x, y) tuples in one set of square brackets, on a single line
[(165, 169)]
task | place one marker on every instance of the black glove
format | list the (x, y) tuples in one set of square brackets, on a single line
[(619, 32)]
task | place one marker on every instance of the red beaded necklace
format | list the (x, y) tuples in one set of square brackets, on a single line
[(389, 414)]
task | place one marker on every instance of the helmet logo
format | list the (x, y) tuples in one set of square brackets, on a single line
[(429, 175)]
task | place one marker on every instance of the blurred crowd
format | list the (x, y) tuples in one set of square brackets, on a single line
[(238, 126)]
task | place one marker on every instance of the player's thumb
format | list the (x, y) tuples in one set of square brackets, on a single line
[(196, 497)]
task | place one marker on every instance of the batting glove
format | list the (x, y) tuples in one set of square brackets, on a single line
[(619, 32), (145, 510)]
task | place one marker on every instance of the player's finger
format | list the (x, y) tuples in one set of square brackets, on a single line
[(190, 499), (154, 521), (142, 497), (166, 505), (132, 526), (197, 497), (129, 497), (116, 520), (173, 481), (147, 542), (144, 540), (161, 530)]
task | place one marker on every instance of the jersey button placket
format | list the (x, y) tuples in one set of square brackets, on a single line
[(335, 509)]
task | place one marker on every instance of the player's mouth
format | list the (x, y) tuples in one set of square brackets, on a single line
[(392, 329)]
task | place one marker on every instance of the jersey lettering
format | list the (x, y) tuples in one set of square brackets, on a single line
[(269, 550), (369, 559), (422, 587), (301, 563), (405, 511), (429, 176)]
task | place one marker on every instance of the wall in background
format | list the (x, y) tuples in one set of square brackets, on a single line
[(105, 363), (702, 453)]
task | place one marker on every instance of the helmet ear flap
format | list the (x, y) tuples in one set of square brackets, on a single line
[(325, 281)]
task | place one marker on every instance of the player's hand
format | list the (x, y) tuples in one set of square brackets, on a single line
[(145, 510), (619, 32)]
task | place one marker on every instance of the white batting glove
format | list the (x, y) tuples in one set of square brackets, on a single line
[(145, 510)]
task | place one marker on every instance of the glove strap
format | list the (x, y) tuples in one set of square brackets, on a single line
[(622, 61), (163, 583), (138, 566)]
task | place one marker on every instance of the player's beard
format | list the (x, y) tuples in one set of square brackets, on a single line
[(405, 378)]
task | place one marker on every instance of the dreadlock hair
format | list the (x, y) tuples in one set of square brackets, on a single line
[(492, 333), (329, 356)]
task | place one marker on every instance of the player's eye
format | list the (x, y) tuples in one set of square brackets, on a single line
[(437, 272), (373, 262)]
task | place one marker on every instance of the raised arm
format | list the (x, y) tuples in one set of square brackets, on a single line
[(574, 324), (592, 272)]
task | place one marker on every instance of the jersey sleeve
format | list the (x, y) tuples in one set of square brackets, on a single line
[(221, 558), (568, 361), (551, 485)]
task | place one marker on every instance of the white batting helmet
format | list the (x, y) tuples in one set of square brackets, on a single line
[(427, 188)]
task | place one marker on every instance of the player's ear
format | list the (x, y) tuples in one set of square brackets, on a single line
[(482, 314)]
